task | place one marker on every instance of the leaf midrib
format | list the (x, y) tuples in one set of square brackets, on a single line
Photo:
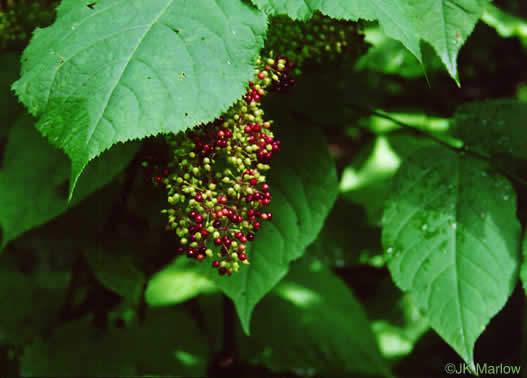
[(129, 59)]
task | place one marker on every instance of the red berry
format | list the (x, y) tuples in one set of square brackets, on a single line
[(265, 187), (215, 264), (242, 256), (217, 241)]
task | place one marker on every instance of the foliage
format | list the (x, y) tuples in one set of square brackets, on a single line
[(395, 239)]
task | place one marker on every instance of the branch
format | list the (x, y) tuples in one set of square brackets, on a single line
[(461, 149)]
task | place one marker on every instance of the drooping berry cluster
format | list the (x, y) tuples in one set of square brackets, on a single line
[(215, 182), (320, 40), (18, 18)]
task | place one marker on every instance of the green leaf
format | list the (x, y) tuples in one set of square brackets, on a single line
[(168, 343), (452, 241), (444, 24), (127, 70), (304, 184), (116, 271), (312, 323), (493, 128), (33, 173), (176, 283)]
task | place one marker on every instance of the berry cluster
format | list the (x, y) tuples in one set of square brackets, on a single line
[(19, 18), (320, 40), (215, 183)]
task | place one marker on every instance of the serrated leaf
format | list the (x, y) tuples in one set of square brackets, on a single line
[(304, 185), (311, 323), (168, 343), (33, 173), (493, 128), (453, 241), (124, 70), (445, 24)]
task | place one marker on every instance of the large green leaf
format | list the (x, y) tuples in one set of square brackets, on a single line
[(445, 24), (304, 185), (120, 70), (311, 322), (169, 344), (33, 173), (452, 240)]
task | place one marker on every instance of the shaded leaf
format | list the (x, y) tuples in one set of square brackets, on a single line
[(116, 272), (33, 173), (169, 343), (312, 324)]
